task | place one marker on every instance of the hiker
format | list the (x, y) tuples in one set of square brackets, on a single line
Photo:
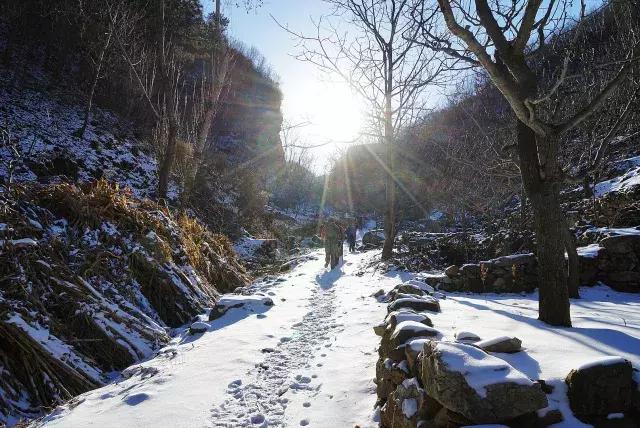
[(331, 232), (350, 234)]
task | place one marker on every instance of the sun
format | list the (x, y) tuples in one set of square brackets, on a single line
[(339, 112)]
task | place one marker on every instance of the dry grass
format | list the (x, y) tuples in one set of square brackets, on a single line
[(52, 284)]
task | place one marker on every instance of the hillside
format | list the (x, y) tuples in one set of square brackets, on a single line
[(96, 272)]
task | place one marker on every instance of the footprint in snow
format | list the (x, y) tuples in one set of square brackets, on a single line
[(304, 422), (306, 404), (257, 419), (303, 379), (135, 399)]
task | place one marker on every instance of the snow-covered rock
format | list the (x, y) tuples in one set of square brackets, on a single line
[(255, 303), (482, 388), (505, 344), (466, 336), (198, 327), (418, 304), (600, 387)]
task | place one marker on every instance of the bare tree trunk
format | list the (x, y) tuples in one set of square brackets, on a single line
[(219, 66), (96, 77), (168, 159), (550, 228), (390, 185), (574, 264)]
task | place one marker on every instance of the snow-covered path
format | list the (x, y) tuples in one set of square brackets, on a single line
[(308, 360)]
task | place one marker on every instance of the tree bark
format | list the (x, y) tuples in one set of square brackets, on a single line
[(550, 228), (573, 264), (390, 184), (167, 160), (96, 77)]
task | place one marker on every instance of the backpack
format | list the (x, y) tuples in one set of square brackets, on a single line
[(331, 231)]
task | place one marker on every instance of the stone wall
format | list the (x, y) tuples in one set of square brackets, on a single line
[(419, 383), (614, 261)]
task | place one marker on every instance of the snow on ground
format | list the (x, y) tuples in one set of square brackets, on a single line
[(622, 183), (605, 324), (43, 124), (310, 359), (246, 246)]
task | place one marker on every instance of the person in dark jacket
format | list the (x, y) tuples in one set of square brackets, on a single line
[(350, 234)]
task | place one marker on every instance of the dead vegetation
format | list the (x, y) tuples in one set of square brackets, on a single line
[(90, 281)]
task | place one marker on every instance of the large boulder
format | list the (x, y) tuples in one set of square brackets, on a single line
[(471, 278), (476, 385), (452, 271), (601, 387), (424, 303)]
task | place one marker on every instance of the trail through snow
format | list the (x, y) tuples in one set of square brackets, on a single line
[(307, 361), (310, 359)]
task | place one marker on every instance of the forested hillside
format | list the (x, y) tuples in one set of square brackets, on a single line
[(462, 158), (129, 131)]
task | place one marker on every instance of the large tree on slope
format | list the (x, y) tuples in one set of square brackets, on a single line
[(503, 37)]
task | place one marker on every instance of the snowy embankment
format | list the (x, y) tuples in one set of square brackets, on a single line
[(310, 358)]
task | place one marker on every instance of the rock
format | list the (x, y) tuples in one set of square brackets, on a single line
[(402, 332), (627, 281), (373, 238), (476, 385), (452, 271), (514, 259), (466, 336), (504, 344), (389, 374), (19, 244), (621, 243), (412, 350), (424, 303), (407, 288), (551, 417), (379, 329), (548, 389), (378, 293), (472, 278), (600, 388), (408, 406), (470, 270), (233, 301), (422, 285), (198, 327), (396, 317)]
